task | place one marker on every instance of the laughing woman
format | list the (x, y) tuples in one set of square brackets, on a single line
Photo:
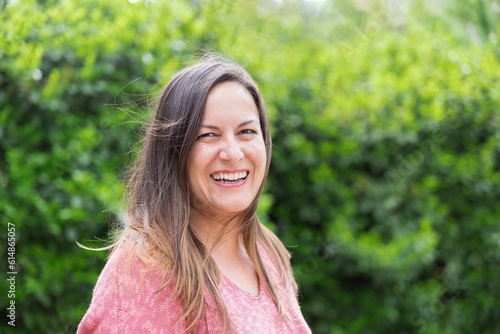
[(193, 257)]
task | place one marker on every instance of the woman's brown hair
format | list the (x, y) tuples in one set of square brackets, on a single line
[(158, 209)]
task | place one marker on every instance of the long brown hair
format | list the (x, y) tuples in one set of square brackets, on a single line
[(158, 207)]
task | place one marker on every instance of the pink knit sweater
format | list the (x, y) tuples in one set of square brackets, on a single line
[(124, 302)]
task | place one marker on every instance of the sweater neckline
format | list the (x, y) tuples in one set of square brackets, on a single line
[(235, 286)]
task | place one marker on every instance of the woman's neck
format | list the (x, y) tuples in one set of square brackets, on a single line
[(219, 235), (223, 241)]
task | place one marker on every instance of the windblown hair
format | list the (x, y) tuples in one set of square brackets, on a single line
[(158, 210)]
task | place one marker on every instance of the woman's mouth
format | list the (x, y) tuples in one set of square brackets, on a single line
[(229, 178)]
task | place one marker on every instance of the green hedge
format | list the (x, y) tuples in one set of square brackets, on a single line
[(386, 164)]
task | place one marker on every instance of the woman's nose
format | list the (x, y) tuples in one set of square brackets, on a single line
[(231, 151)]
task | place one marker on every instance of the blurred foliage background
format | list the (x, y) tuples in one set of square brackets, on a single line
[(385, 180)]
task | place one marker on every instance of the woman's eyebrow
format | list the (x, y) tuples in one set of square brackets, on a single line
[(213, 127), (248, 122)]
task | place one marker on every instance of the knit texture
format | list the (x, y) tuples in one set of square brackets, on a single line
[(124, 301)]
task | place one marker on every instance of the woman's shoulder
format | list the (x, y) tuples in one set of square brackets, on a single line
[(128, 298)]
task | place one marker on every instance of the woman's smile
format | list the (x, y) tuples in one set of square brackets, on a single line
[(229, 179)]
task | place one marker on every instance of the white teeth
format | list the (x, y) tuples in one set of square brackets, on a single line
[(229, 177)]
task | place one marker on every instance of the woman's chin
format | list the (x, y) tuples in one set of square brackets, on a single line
[(224, 209)]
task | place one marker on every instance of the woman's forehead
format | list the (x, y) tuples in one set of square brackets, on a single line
[(230, 100)]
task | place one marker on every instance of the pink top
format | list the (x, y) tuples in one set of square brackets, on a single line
[(124, 303)]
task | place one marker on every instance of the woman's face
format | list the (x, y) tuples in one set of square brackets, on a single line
[(226, 165)]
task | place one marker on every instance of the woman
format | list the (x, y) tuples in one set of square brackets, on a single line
[(194, 257)]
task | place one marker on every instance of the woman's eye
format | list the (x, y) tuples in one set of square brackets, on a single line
[(206, 135), (248, 131)]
